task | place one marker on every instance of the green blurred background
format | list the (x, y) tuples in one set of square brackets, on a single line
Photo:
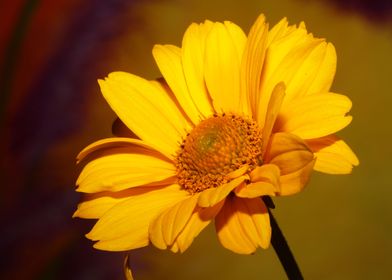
[(51, 54)]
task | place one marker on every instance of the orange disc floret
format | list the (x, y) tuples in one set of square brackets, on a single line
[(217, 146)]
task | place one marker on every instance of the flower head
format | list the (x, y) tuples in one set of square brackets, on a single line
[(234, 118)]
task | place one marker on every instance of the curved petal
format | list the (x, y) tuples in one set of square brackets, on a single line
[(273, 109), (252, 65), (212, 196), (166, 227), (243, 225), (114, 142), (288, 152), (119, 168), (125, 226), (168, 59), (95, 205), (265, 181), (294, 182), (333, 155), (304, 63), (198, 221), (193, 63), (223, 54), (146, 110), (315, 116)]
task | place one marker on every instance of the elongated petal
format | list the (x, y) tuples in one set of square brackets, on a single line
[(333, 155), (198, 221), (223, 53), (118, 169), (294, 182), (94, 206), (273, 109), (252, 65), (315, 116), (304, 63), (115, 142), (168, 59), (193, 48), (315, 73), (166, 227), (288, 152), (146, 110), (243, 225), (131, 219), (212, 196)]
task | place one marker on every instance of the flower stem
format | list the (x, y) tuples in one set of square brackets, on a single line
[(283, 251)]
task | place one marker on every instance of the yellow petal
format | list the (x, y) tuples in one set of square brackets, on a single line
[(324, 75), (168, 59), (166, 227), (95, 205), (114, 142), (193, 47), (257, 189), (252, 65), (294, 182), (243, 225), (198, 221), (223, 52), (212, 196), (265, 181), (315, 116), (125, 226), (288, 152), (147, 111), (296, 58), (273, 109), (333, 155), (238, 172), (117, 169)]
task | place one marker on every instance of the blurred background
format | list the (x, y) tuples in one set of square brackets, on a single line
[(52, 53)]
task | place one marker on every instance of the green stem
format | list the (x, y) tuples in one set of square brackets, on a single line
[(283, 251)]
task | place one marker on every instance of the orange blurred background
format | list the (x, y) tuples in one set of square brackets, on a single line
[(52, 53)]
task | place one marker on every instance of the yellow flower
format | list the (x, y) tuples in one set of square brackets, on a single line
[(234, 118)]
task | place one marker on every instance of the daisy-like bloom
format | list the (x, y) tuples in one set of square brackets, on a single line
[(234, 118)]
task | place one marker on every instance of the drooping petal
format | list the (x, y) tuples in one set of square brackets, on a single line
[(333, 155), (118, 168), (166, 227), (294, 182), (125, 226), (147, 111), (288, 152), (212, 196), (223, 54), (115, 142), (315, 116), (198, 221), (243, 225), (252, 65), (94, 206), (192, 54)]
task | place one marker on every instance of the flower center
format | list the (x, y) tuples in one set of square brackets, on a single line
[(217, 146)]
